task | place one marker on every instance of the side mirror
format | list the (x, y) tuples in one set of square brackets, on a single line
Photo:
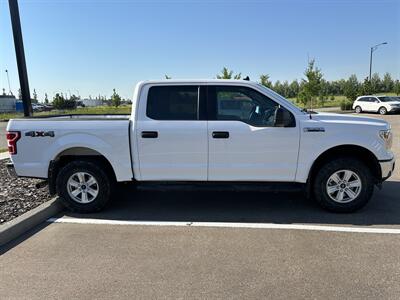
[(376, 101), (283, 118)]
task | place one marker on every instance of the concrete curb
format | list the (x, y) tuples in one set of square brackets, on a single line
[(16, 227)]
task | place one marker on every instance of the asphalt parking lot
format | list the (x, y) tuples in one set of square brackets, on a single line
[(183, 260)]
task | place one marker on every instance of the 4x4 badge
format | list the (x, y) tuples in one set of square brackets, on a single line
[(40, 133)]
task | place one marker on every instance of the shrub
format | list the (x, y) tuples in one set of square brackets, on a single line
[(60, 103), (346, 105)]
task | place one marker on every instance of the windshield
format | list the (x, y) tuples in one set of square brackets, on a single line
[(289, 103), (388, 99)]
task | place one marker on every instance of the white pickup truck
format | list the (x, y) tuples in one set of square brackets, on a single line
[(227, 132)]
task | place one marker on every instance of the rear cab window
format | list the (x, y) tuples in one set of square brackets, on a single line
[(173, 102)]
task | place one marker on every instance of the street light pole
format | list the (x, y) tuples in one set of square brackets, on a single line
[(9, 86), (20, 54), (373, 48)]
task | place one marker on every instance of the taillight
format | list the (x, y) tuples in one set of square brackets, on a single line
[(12, 139)]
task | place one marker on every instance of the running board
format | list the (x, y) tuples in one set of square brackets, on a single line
[(222, 186)]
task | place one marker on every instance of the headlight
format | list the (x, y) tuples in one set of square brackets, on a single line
[(386, 136)]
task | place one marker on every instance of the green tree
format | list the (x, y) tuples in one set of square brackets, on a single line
[(311, 84), (228, 74), (352, 88), (285, 89), (46, 98), (58, 101), (324, 91), (264, 80), (337, 87), (294, 88), (396, 87), (73, 98), (115, 99), (376, 83), (278, 87), (366, 88), (167, 77), (35, 97), (341, 86), (387, 83)]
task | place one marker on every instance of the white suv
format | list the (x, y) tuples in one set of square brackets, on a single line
[(379, 104)]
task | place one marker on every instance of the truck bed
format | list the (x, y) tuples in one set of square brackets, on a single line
[(44, 139)]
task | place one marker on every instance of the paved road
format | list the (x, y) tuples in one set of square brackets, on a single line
[(129, 261), (3, 141), (147, 262)]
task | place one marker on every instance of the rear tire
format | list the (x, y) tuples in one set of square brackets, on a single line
[(382, 110), (343, 185), (358, 109), (84, 186)]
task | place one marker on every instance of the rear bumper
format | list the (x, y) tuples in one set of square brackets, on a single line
[(11, 170), (387, 168)]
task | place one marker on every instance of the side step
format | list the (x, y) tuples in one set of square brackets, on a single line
[(222, 186)]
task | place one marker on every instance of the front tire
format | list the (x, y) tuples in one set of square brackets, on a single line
[(343, 185), (358, 109), (84, 186), (382, 110)]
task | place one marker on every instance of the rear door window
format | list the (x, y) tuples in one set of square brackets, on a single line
[(173, 103)]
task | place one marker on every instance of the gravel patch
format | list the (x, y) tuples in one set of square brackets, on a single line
[(18, 195)]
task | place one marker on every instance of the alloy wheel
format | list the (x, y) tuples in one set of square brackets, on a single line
[(343, 186), (82, 187)]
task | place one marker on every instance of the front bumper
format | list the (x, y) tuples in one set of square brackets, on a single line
[(394, 109), (387, 168), (11, 170)]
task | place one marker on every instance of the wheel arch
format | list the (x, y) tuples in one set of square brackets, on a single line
[(73, 154), (353, 151)]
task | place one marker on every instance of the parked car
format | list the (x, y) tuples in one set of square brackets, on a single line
[(190, 133), (37, 107), (378, 104), (47, 107)]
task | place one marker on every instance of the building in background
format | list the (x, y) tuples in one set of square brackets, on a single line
[(92, 102), (8, 103)]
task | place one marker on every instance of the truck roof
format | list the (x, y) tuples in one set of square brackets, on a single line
[(204, 81)]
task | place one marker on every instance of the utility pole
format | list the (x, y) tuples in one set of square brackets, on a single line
[(373, 48), (20, 54)]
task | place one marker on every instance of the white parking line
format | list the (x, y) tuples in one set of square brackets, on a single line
[(228, 225)]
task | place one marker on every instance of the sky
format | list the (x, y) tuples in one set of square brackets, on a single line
[(89, 47)]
